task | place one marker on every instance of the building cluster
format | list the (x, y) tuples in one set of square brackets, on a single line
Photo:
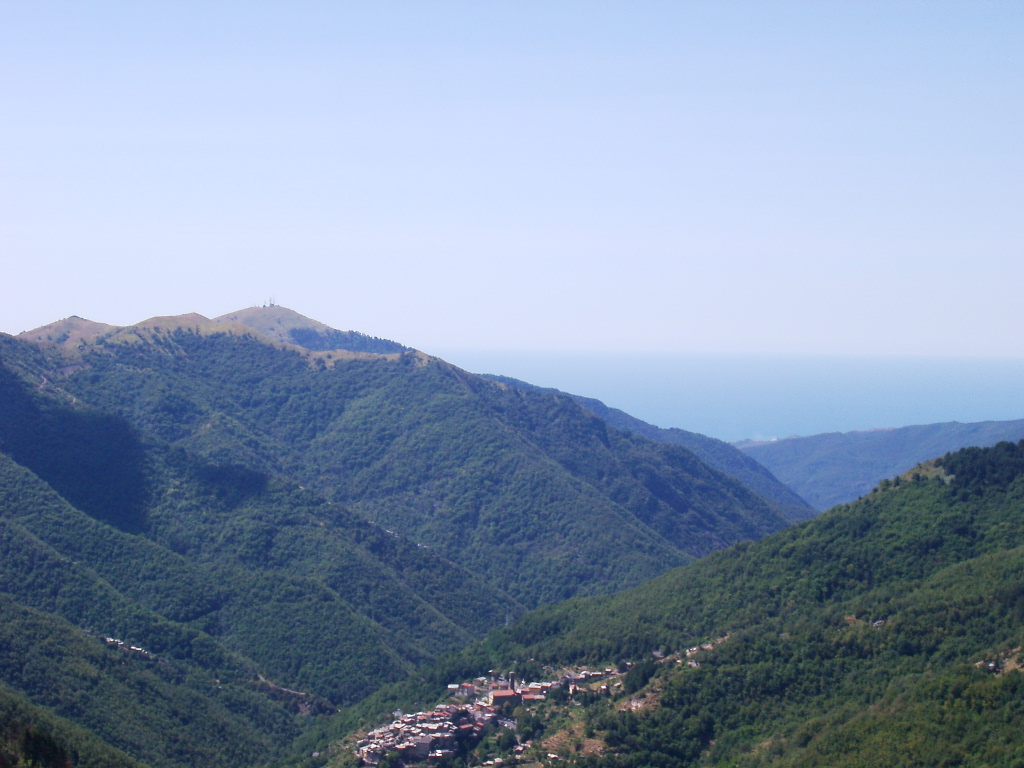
[(427, 737), (125, 647), (708, 646), (1003, 663), (431, 737)]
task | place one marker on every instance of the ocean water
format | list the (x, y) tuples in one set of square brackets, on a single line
[(737, 398)]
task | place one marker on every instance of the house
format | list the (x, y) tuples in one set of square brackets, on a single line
[(501, 696)]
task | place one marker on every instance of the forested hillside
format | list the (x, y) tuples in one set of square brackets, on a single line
[(218, 547), (836, 468), (716, 453), (190, 613), (887, 632), (501, 481), (31, 736), (211, 539)]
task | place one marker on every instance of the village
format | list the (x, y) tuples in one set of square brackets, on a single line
[(434, 736)]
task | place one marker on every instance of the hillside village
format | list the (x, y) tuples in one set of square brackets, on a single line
[(433, 737), (436, 735)]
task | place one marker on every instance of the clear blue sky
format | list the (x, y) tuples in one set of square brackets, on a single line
[(681, 177)]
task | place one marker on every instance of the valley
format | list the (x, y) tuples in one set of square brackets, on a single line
[(249, 540), (887, 632), (836, 468)]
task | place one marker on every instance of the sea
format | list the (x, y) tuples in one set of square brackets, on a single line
[(736, 398)]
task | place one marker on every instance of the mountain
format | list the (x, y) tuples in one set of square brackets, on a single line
[(836, 468), (190, 612), (69, 332), (886, 632), (289, 327), (716, 453), (31, 736), (212, 536), (483, 473)]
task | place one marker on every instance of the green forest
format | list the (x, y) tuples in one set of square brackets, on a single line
[(884, 633), (836, 468), (213, 542), (218, 547)]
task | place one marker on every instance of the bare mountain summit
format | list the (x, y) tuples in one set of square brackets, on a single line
[(289, 327)]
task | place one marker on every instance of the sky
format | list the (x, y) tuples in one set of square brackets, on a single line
[(695, 177), (653, 178)]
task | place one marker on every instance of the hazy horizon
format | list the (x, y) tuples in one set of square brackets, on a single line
[(740, 397), (792, 177), (736, 397)]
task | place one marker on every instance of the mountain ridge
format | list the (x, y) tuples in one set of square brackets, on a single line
[(882, 632), (838, 467), (241, 510), (719, 454), (272, 324)]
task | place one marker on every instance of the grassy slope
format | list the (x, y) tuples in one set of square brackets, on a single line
[(289, 327)]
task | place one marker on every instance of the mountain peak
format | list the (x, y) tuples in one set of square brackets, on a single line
[(67, 332), (273, 320), (274, 323), (289, 327)]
